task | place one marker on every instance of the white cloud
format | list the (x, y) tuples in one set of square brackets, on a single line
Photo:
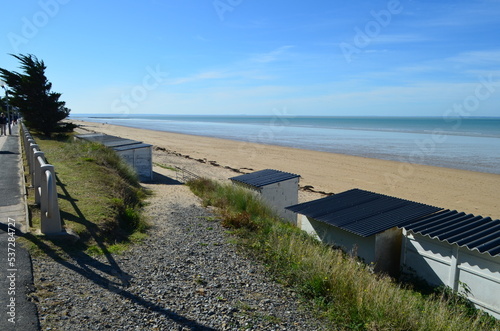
[(418, 68), (201, 38), (334, 98), (477, 57), (272, 56), (399, 38), (208, 75), (252, 67)]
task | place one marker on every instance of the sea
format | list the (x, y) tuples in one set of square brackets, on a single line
[(470, 143)]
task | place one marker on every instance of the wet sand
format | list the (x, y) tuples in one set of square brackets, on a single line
[(467, 191)]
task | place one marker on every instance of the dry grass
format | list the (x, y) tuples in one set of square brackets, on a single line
[(343, 291)]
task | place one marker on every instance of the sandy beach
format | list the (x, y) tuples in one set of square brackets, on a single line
[(467, 191)]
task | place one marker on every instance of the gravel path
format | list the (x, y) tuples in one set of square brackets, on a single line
[(187, 275)]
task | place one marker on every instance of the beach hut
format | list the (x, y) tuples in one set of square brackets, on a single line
[(135, 153), (277, 188), (442, 247), (362, 223), (457, 250)]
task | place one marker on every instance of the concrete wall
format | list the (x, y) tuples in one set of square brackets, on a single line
[(383, 249), (349, 242), (141, 160), (440, 263), (280, 195), (388, 251)]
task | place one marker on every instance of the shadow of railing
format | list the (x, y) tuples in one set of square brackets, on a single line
[(85, 265), (164, 180)]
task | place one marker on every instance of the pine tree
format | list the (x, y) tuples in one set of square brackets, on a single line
[(30, 92)]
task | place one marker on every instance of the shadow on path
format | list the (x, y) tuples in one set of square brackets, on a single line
[(164, 180), (85, 264)]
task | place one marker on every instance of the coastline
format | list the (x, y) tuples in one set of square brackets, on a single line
[(467, 191), (472, 145)]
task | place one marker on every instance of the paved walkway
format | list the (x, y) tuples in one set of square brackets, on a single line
[(16, 276)]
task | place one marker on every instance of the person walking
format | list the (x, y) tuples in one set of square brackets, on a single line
[(3, 124)]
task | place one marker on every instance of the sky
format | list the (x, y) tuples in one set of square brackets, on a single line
[(242, 57)]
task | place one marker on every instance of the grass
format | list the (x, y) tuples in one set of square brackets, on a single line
[(342, 290), (165, 166), (100, 198)]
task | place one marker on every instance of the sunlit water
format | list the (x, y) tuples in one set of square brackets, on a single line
[(470, 144)]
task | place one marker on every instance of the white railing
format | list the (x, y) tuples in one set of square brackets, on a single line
[(43, 180), (183, 175)]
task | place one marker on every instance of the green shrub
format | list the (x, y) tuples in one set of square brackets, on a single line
[(342, 289)]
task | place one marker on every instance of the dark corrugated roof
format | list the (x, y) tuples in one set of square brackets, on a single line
[(362, 212), (265, 177), (474, 232), (108, 140), (132, 146)]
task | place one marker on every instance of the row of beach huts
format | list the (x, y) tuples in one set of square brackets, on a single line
[(440, 246)]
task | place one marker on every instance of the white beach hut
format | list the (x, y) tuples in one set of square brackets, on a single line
[(277, 188), (137, 154), (456, 250), (362, 223), (442, 247)]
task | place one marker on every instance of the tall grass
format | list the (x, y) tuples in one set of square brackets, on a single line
[(100, 197), (344, 291)]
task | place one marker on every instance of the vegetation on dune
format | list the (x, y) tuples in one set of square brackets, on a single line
[(100, 197), (343, 291)]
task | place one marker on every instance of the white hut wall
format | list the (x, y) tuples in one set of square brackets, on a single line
[(441, 263), (363, 247), (140, 159), (280, 195), (143, 161), (481, 273)]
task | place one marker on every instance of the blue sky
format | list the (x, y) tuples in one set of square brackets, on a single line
[(333, 58)]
